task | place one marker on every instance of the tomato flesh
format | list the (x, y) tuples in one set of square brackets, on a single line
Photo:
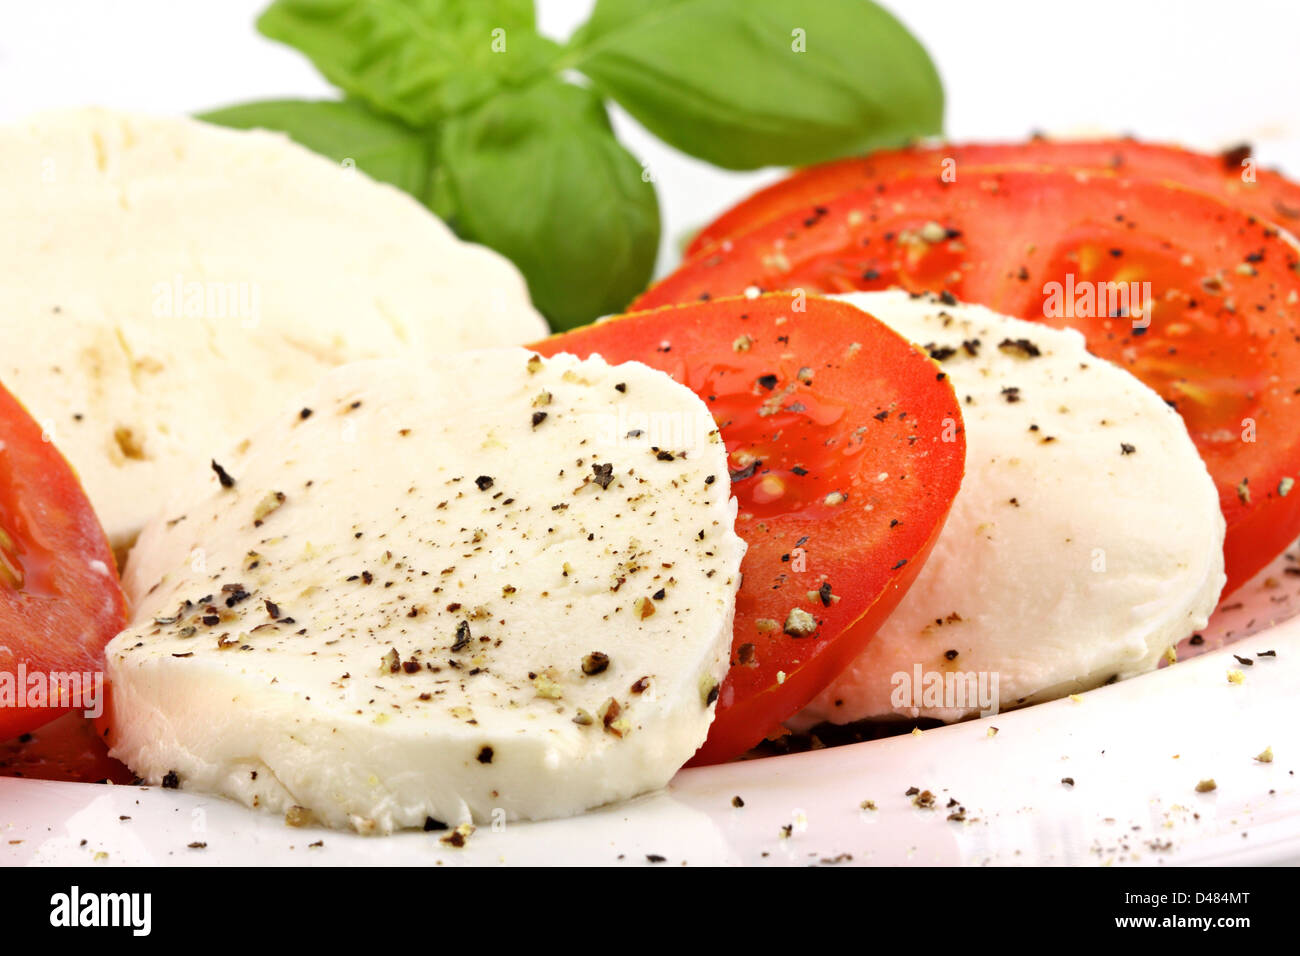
[(1260, 192), (67, 748), (1218, 340), (60, 600), (845, 447)]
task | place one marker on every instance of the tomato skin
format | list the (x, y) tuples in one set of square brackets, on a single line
[(1222, 343), (741, 713), (60, 599), (1270, 197), (846, 450)]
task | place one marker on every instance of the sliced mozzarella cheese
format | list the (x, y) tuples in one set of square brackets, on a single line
[(164, 284), (1086, 538), (490, 583)]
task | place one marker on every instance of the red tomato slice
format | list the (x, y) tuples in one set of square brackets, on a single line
[(846, 448), (1260, 192), (1221, 344), (60, 600), (67, 748)]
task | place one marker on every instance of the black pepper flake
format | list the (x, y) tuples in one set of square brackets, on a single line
[(485, 755), (272, 609), (1067, 781), (171, 780), (767, 381), (947, 298), (223, 476), (655, 858), (901, 562), (660, 594), (1234, 157), (595, 663), (621, 387), (950, 655), (799, 470), (1244, 661), (824, 592), (484, 482), (462, 636), (538, 418), (604, 474), (1021, 347), (305, 414), (1011, 393), (664, 455), (430, 825), (1126, 449)]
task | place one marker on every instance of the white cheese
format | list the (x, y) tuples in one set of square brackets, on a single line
[(165, 283), (525, 541), (1085, 540)]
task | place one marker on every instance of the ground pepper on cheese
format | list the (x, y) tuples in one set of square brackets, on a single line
[(440, 610)]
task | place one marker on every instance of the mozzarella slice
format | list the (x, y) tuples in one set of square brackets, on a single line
[(487, 587), (1086, 538), (164, 284)]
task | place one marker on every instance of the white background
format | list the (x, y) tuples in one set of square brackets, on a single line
[(1202, 73)]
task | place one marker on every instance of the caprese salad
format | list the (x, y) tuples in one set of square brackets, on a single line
[(391, 558)]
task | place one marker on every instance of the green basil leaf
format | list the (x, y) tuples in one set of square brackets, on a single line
[(537, 174), (749, 83), (418, 60), (381, 148)]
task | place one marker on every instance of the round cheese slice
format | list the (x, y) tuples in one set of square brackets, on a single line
[(488, 587), (1085, 541), (165, 284)]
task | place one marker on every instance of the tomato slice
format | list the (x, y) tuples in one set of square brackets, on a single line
[(1261, 192), (1219, 340), (60, 600), (67, 748), (846, 448)]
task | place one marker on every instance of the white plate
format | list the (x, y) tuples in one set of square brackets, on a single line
[(1135, 751)]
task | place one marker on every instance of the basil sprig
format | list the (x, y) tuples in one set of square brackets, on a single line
[(462, 104)]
